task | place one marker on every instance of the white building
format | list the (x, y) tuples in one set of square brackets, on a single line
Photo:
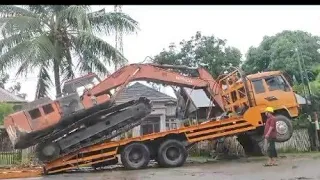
[(164, 108)]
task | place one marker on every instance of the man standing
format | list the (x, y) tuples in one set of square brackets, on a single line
[(270, 134)]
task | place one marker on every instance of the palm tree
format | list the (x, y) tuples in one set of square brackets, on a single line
[(52, 38)]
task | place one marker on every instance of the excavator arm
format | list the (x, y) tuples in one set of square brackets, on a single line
[(165, 74)]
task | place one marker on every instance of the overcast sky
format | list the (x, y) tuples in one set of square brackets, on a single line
[(241, 26)]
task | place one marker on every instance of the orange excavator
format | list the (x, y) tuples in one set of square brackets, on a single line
[(88, 115)]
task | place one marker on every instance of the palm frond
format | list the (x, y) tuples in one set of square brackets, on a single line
[(14, 39), (44, 82), (76, 16), (43, 12), (112, 21), (11, 11), (67, 66), (23, 68), (56, 8), (98, 47), (90, 63), (37, 51), (45, 46), (12, 55), (19, 24)]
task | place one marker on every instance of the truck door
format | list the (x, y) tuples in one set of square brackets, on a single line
[(274, 91)]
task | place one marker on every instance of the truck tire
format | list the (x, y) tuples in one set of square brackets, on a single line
[(135, 156), (284, 128), (47, 151), (171, 153)]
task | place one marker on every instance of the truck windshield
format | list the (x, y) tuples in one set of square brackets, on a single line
[(277, 83)]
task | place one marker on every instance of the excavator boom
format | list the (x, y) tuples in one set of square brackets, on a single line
[(199, 78)]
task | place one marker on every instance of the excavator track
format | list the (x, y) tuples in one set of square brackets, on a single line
[(125, 117), (121, 128), (55, 134)]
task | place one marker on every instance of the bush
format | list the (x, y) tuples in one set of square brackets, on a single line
[(5, 109)]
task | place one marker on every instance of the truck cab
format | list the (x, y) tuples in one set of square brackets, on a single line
[(272, 89), (240, 91)]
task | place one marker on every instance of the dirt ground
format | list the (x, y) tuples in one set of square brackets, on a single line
[(291, 167)]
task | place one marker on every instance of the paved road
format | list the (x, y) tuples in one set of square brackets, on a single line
[(298, 168)]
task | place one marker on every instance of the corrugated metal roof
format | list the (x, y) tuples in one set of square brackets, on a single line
[(138, 90), (301, 100), (199, 97), (6, 96)]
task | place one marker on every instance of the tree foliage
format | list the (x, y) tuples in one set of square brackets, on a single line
[(201, 50), (59, 39), (5, 109), (282, 52)]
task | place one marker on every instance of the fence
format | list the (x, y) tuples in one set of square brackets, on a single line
[(299, 142), (8, 155), (10, 158)]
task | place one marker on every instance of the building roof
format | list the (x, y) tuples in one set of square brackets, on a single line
[(6, 96), (138, 90)]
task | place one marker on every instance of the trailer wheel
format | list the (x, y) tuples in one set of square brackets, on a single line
[(47, 151), (135, 156), (172, 153), (284, 128)]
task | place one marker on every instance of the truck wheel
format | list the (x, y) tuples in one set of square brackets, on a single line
[(284, 128), (171, 153), (47, 151), (135, 156)]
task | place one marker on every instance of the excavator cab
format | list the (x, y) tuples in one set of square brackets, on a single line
[(75, 89), (41, 116)]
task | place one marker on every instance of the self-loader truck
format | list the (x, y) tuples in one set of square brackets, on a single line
[(77, 129)]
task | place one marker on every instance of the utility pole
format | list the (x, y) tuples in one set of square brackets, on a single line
[(301, 75), (310, 109), (119, 38), (316, 122)]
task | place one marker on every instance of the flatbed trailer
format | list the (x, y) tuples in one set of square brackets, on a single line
[(108, 151)]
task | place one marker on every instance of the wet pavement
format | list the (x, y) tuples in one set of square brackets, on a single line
[(289, 168)]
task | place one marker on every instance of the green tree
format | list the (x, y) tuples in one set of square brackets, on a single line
[(5, 109), (281, 52), (201, 50), (59, 39)]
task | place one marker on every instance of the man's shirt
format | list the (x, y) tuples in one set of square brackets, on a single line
[(271, 122)]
